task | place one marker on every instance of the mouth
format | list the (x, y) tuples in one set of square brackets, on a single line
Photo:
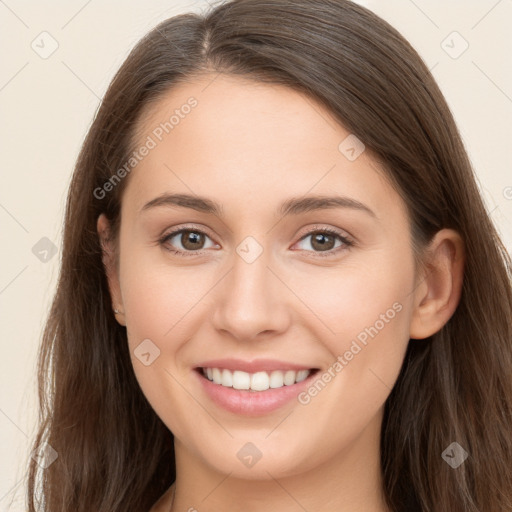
[(258, 381), (253, 393)]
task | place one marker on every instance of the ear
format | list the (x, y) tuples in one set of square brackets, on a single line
[(438, 294), (108, 257)]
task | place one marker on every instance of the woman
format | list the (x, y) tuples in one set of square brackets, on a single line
[(280, 288)]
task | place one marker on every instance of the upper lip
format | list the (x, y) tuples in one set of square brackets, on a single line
[(256, 365)]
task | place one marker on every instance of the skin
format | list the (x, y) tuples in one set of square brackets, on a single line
[(249, 146)]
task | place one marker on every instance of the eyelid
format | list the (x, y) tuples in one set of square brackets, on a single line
[(187, 227), (302, 233), (322, 227)]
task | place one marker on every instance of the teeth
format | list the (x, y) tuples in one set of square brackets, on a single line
[(289, 377), (259, 381), (217, 376), (301, 375), (227, 378), (241, 380), (276, 379)]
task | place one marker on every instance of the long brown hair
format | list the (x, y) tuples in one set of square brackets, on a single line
[(114, 453)]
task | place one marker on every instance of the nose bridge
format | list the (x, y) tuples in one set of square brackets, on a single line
[(251, 299)]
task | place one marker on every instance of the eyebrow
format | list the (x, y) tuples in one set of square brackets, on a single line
[(292, 206)]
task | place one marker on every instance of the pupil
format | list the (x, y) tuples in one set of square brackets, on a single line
[(320, 239), (191, 239)]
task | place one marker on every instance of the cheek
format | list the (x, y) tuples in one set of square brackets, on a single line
[(161, 304), (159, 298), (365, 316), (368, 313), (360, 299)]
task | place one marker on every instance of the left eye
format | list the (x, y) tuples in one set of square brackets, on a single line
[(323, 239)]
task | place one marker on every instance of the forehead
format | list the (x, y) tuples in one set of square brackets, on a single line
[(230, 110), (234, 139)]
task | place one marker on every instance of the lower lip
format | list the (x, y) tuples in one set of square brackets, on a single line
[(252, 403)]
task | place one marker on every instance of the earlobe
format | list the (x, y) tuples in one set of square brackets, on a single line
[(108, 258), (438, 295)]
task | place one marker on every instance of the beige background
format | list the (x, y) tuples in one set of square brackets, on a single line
[(47, 105)]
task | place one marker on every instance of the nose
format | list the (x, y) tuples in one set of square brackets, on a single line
[(252, 301)]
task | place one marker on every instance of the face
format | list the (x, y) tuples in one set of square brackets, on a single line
[(271, 288)]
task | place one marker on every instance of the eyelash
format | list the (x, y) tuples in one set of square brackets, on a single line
[(347, 242)]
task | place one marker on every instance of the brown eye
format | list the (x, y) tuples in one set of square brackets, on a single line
[(185, 241), (192, 240), (323, 242)]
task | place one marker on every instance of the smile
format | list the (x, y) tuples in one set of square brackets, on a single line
[(253, 393), (259, 381)]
